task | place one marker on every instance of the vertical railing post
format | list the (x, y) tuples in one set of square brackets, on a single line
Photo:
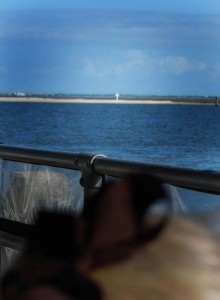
[(90, 181)]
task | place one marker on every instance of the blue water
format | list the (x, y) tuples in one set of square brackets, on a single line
[(178, 135)]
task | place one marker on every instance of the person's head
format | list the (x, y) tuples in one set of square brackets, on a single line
[(182, 263), (119, 249)]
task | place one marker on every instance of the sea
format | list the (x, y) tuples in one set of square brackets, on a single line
[(177, 135)]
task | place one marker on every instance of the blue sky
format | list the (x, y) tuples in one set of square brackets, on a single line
[(100, 47), (177, 6)]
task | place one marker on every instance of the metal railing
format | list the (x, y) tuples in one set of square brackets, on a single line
[(95, 167)]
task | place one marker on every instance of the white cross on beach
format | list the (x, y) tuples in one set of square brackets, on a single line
[(117, 95)]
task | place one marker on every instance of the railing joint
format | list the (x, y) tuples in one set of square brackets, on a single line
[(90, 180)]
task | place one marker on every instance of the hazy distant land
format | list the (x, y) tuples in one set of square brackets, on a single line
[(183, 101)]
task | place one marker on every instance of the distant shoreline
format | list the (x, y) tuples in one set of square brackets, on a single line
[(103, 101)]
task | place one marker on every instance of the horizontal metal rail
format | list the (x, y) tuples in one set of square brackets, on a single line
[(39, 156), (205, 181)]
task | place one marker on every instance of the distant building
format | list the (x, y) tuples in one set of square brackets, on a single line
[(20, 94)]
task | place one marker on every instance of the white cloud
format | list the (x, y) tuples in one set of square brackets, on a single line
[(136, 61), (174, 64), (136, 57), (128, 61), (178, 65)]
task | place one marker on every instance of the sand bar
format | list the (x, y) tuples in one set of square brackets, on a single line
[(101, 101)]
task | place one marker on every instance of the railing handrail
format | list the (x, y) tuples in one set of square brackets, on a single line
[(201, 180), (206, 181), (39, 156)]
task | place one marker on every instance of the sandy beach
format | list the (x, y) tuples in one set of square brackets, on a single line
[(101, 101)]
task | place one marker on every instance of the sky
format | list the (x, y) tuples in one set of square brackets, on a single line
[(155, 47)]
